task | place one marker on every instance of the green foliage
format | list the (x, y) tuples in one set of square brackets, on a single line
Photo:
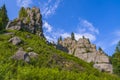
[(72, 36), (59, 39), (83, 37), (100, 49), (3, 17), (28, 20), (116, 60), (52, 64), (22, 13)]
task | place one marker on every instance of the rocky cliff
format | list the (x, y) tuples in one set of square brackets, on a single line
[(86, 51), (29, 20)]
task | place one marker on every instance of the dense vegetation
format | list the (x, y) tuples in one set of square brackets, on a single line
[(52, 64), (116, 60)]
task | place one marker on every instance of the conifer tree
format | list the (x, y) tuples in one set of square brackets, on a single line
[(116, 60), (22, 13), (3, 17), (72, 36), (59, 39)]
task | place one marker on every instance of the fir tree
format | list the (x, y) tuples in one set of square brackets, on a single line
[(3, 17), (59, 39), (116, 60), (22, 13), (72, 36)]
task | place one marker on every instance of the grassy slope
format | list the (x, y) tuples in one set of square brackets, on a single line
[(52, 64)]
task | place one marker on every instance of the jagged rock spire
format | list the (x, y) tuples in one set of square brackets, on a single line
[(30, 19)]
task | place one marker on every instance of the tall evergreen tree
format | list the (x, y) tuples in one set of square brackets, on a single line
[(22, 13), (72, 36), (116, 60), (100, 49), (59, 39), (3, 17)]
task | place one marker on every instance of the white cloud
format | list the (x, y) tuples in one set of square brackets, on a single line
[(24, 3), (65, 35), (86, 26), (47, 26), (87, 30), (87, 35), (49, 8), (90, 26)]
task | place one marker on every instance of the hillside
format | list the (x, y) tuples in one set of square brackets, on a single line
[(50, 64), (25, 54)]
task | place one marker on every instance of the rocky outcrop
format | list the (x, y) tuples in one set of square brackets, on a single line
[(32, 22), (23, 55), (15, 40), (86, 51)]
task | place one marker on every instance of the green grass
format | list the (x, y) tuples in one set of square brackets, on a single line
[(52, 64)]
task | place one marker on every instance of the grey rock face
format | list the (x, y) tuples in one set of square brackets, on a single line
[(104, 67), (86, 51), (12, 25), (15, 40), (21, 55), (32, 23)]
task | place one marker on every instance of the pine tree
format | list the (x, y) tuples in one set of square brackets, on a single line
[(3, 17), (22, 13), (116, 60), (83, 37), (100, 49), (59, 39), (72, 36)]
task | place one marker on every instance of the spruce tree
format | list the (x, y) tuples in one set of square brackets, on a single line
[(3, 17), (72, 36), (22, 13), (116, 60), (59, 39), (100, 49)]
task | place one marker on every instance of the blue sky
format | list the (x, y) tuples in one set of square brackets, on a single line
[(98, 20)]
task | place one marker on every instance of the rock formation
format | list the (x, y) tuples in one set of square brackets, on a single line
[(15, 40), (31, 22), (86, 51), (23, 55)]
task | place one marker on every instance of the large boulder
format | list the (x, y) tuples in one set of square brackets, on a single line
[(21, 55), (31, 22)]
